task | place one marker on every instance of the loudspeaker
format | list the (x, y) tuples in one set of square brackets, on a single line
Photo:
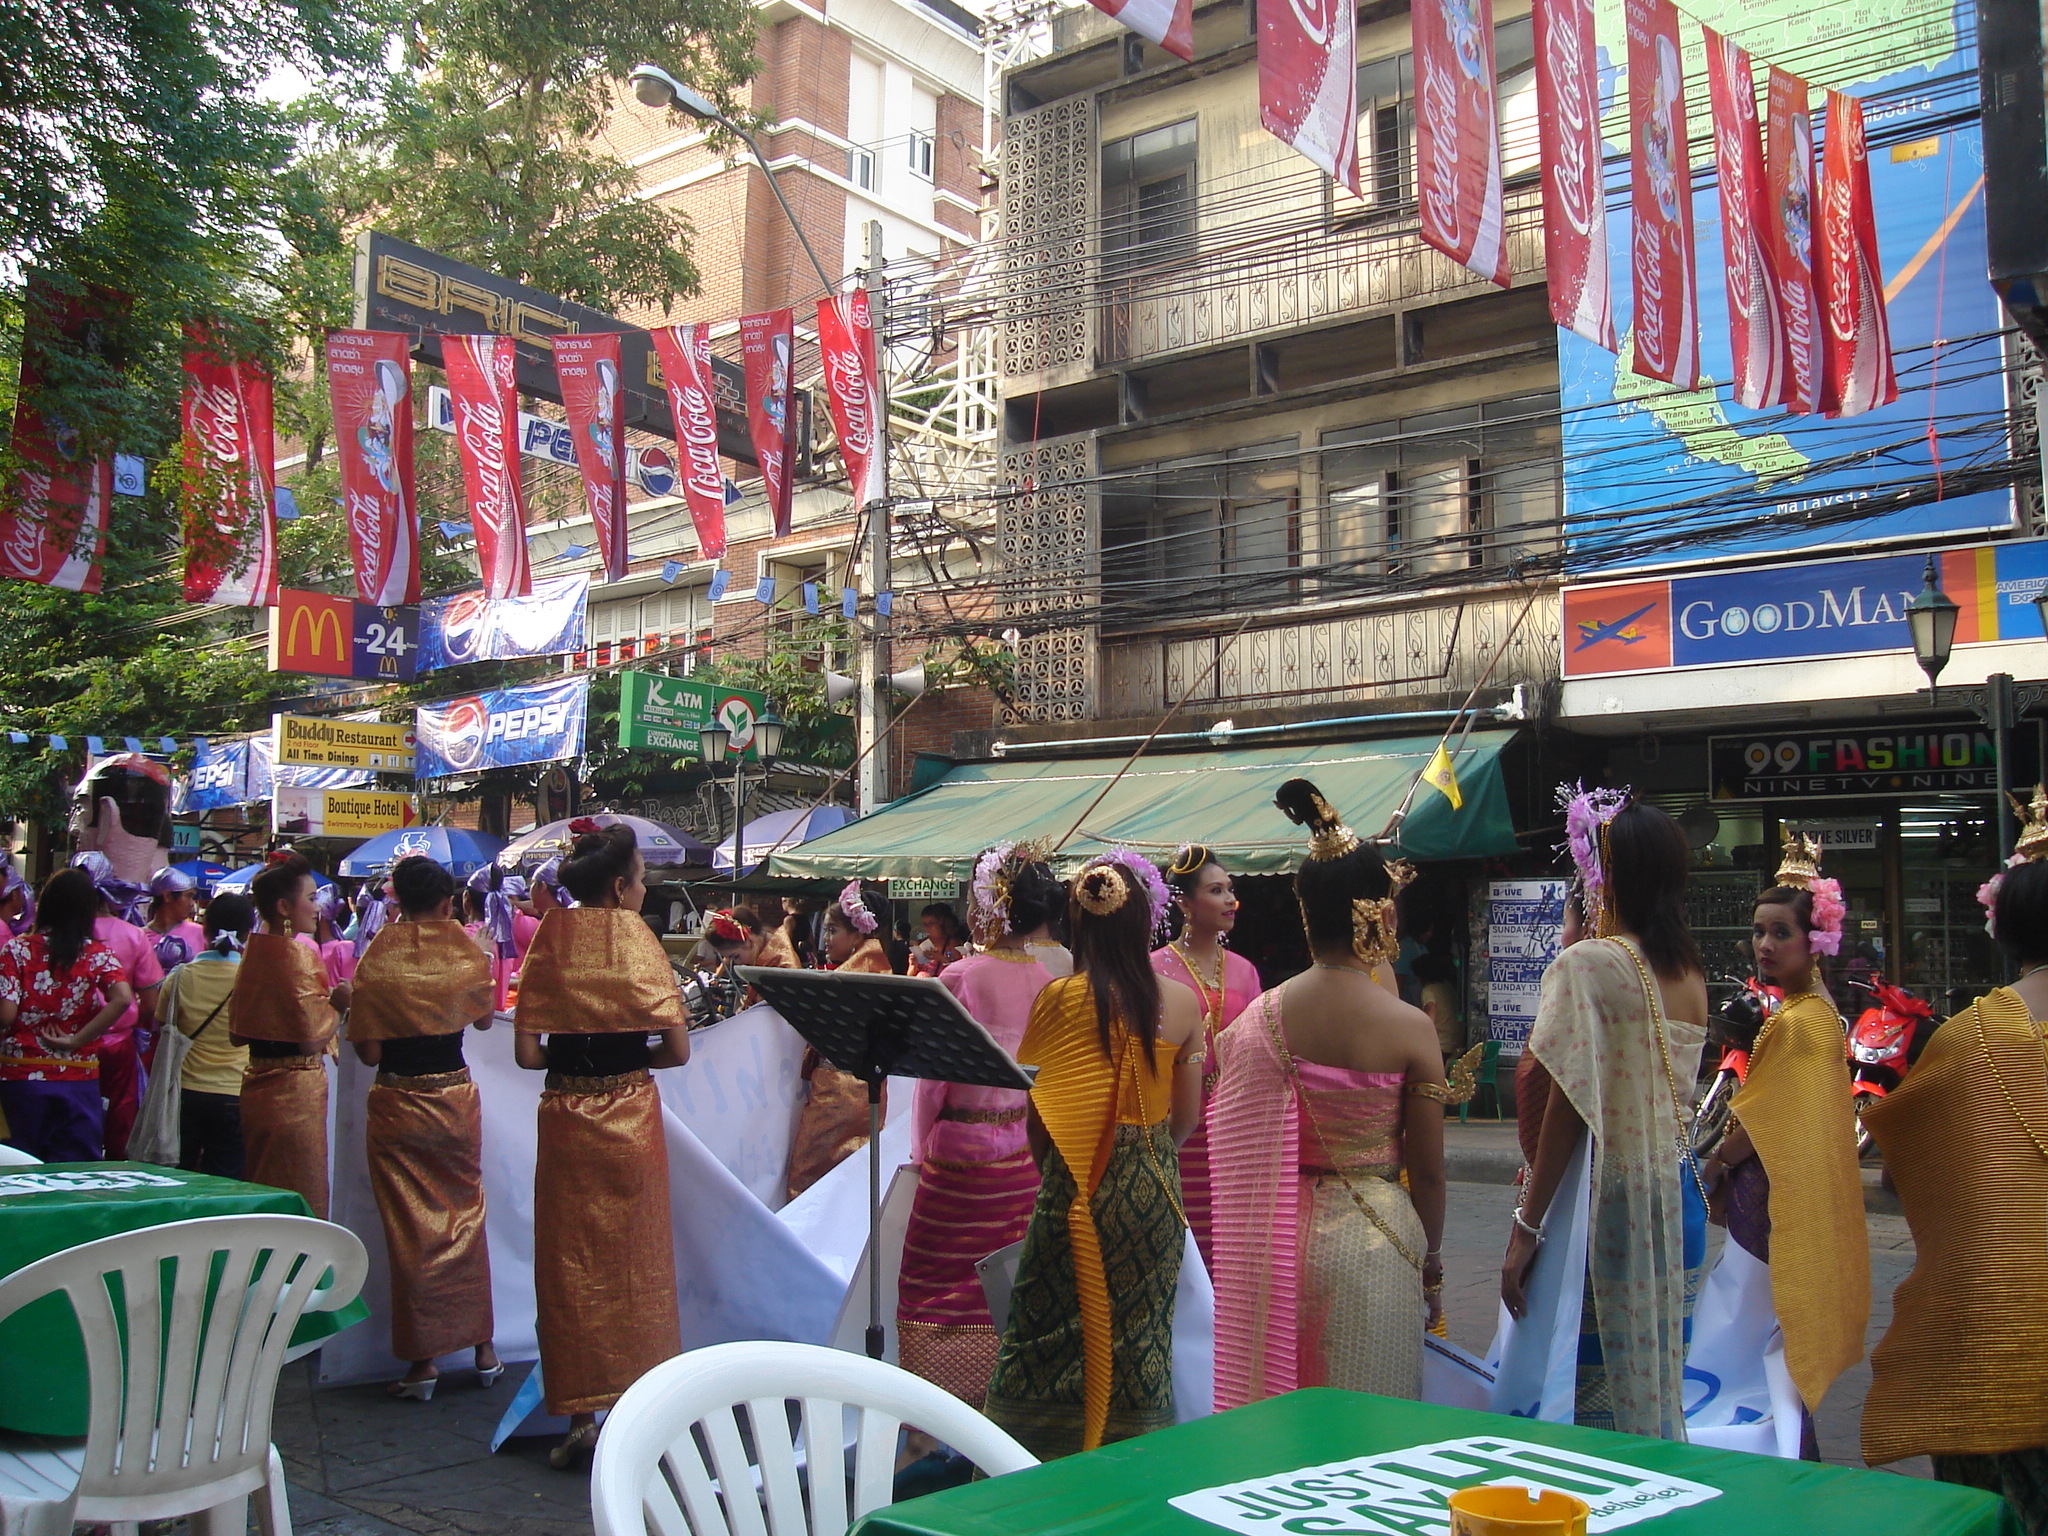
[(838, 688), (909, 683)]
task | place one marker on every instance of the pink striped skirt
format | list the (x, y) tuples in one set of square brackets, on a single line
[(963, 1212)]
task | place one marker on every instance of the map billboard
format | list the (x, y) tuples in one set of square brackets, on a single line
[(1642, 459)]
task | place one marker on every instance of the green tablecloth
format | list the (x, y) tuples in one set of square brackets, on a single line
[(43, 1387), (1372, 1474)]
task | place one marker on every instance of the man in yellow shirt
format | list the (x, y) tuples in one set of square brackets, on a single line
[(194, 1002)]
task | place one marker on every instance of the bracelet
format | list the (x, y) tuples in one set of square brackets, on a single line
[(1434, 1290), (1516, 1217)]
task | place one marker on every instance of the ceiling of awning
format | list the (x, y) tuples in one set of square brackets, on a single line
[(1223, 798)]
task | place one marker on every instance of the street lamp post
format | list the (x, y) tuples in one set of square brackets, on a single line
[(1931, 617), (715, 742)]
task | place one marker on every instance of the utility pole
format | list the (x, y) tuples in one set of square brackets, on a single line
[(870, 710)]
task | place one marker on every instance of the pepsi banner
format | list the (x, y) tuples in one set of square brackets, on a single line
[(226, 774), (504, 728), (454, 631)]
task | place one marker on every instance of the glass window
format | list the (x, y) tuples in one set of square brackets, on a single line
[(1148, 195), (1172, 532), (1514, 72)]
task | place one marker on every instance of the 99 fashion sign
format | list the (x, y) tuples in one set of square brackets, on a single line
[(1804, 764), (503, 728)]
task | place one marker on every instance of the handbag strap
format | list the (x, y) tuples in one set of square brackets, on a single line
[(211, 1016)]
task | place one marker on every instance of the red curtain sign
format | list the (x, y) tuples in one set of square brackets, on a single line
[(1457, 135), (767, 348), (592, 381), (483, 391), (1308, 82), (1857, 374), (846, 344), (230, 480), (53, 524), (1661, 261), (685, 353), (1756, 339), (1169, 23), (369, 376), (1574, 186), (1788, 235)]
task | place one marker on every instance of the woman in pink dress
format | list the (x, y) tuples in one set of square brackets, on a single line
[(976, 1179), (1226, 984), (1326, 1267)]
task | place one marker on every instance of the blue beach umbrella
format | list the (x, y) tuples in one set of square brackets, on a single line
[(459, 851)]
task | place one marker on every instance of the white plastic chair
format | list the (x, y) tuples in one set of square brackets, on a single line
[(180, 1410), (14, 1157), (656, 1423)]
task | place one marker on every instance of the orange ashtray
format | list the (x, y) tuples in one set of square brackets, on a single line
[(1516, 1512)]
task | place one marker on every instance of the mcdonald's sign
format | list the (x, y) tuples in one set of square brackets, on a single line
[(325, 636)]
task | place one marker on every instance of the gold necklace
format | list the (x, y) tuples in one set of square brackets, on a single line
[(1133, 1048), (1984, 1045), (1683, 1141), (1211, 1013)]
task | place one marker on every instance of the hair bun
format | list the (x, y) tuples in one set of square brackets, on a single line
[(1302, 803)]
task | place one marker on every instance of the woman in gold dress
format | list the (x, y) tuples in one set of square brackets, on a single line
[(1784, 1179), (1326, 1267), (834, 1122), (1119, 1052), (419, 986), (284, 1011), (595, 986)]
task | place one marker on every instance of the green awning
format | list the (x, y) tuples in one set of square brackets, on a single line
[(1222, 798)]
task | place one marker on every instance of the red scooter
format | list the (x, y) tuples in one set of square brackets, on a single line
[(1884, 1043), (1734, 1031)]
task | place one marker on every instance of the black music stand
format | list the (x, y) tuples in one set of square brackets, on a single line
[(878, 1027)]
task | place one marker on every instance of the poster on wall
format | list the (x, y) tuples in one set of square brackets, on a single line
[(1643, 458), (1523, 920)]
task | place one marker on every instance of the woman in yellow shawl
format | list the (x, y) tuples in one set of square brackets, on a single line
[(1087, 1355), (284, 1011), (833, 1124), (419, 986), (1784, 1178), (595, 987)]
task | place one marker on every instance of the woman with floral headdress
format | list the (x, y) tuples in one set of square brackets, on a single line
[(834, 1122), (1225, 982), (1119, 1053), (1784, 1178), (976, 1179), (1326, 1268), (1619, 1028)]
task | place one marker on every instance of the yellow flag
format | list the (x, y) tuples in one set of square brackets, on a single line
[(1442, 776)]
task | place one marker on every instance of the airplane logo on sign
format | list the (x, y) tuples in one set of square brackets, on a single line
[(1624, 630)]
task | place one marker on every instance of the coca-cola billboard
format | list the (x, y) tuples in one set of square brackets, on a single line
[(229, 478), (1574, 184), (1857, 373), (53, 519), (593, 397), (1756, 338), (1788, 235), (1661, 260), (846, 347), (685, 353), (1457, 135), (768, 351), (484, 387), (369, 378), (1308, 82)]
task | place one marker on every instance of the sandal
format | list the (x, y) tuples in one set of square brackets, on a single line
[(578, 1444)]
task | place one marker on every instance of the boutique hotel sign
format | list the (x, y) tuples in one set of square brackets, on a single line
[(1794, 612)]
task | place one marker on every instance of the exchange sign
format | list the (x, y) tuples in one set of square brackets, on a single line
[(664, 714)]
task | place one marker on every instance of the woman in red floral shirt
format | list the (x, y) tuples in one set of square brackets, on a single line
[(60, 988)]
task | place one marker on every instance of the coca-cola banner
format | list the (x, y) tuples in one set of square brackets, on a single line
[(1308, 81), (685, 353), (1755, 335), (1574, 186), (230, 479), (369, 376), (587, 369), (1788, 235), (846, 344), (1856, 375), (1457, 134), (1169, 23), (53, 521), (482, 383), (767, 347), (1667, 327)]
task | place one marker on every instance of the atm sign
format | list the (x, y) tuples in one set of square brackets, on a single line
[(313, 633)]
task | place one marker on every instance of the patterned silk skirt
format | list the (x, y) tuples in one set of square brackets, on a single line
[(833, 1124), (963, 1212), (284, 1125), (1361, 1307), (1036, 1391), (424, 1138), (604, 1263)]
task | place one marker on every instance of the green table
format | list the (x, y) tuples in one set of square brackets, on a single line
[(1329, 1463), (46, 1209)]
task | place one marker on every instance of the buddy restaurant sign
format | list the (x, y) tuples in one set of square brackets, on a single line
[(1793, 612)]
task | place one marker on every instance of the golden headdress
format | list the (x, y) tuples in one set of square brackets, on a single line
[(1303, 804), (1799, 862)]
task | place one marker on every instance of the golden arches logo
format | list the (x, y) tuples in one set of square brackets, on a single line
[(325, 621)]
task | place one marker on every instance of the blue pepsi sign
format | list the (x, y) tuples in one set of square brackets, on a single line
[(468, 626), (503, 728)]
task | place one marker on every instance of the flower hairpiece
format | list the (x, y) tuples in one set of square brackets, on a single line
[(1586, 815), (1828, 912), (582, 826), (988, 906), (725, 928), (1146, 874), (856, 910)]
